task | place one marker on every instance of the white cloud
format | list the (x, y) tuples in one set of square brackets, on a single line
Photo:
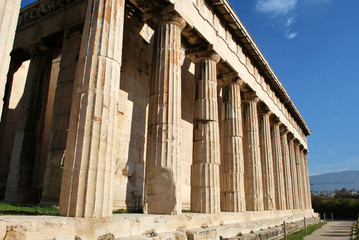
[(291, 35), (289, 22), (276, 7)]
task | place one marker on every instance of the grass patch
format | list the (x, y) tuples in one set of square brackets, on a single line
[(301, 234), (126, 211), (10, 209)]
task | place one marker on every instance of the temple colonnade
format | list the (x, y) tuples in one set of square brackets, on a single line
[(244, 157)]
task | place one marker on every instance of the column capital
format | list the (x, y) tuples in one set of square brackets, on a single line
[(159, 18), (283, 129), (274, 120), (200, 53), (290, 136), (40, 49), (230, 78), (250, 97), (263, 109)]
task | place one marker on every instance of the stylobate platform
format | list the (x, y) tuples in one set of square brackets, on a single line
[(140, 226)]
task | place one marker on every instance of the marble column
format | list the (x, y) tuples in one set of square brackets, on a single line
[(9, 14), (5, 144), (232, 165), (61, 116), (205, 183), (163, 180), (252, 155), (309, 195), (303, 178), (267, 160), (278, 166), (293, 169), (88, 174), (286, 168), (28, 138), (298, 160)]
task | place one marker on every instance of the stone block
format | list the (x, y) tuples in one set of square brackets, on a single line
[(2, 229), (202, 234)]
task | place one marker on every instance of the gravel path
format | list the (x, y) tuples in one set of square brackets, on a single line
[(337, 230)]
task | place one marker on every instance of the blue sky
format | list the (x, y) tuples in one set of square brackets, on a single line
[(313, 46)]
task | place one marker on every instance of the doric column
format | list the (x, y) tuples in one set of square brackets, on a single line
[(309, 195), (61, 116), (87, 179), (5, 144), (278, 166), (232, 165), (286, 168), (298, 162), (303, 178), (28, 138), (267, 160), (205, 183), (252, 155), (9, 14), (162, 178), (293, 169)]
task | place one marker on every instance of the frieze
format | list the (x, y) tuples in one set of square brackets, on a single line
[(39, 10)]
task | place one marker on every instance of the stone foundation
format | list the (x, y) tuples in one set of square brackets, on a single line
[(139, 226)]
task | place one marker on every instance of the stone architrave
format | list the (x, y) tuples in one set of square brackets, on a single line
[(252, 155), (267, 160), (309, 196), (88, 175), (298, 162), (205, 173), (286, 168), (278, 166), (9, 13), (162, 178), (232, 165), (28, 138), (293, 169)]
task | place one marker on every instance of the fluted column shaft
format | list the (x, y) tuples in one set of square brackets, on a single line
[(278, 167), (87, 180), (298, 161), (162, 181), (60, 117), (304, 180), (205, 183), (287, 170), (309, 195), (252, 156), (28, 138), (232, 166), (267, 162), (293, 169), (9, 14)]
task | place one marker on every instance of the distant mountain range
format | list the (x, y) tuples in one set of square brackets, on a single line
[(335, 180)]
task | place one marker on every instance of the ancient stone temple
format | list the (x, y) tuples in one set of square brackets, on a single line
[(165, 107)]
